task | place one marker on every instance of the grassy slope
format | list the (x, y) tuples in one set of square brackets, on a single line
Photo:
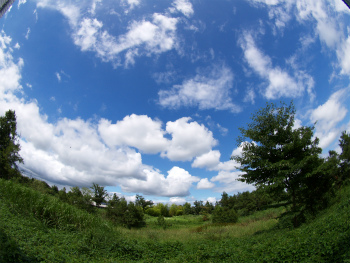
[(36, 227)]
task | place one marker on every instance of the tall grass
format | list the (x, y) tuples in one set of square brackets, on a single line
[(48, 209), (39, 228), (192, 228)]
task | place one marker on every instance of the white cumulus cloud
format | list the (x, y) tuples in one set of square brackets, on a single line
[(176, 184), (230, 183), (138, 131), (189, 139), (205, 184)]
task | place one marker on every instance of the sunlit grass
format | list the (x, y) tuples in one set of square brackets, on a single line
[(39, 228), (192, 228)]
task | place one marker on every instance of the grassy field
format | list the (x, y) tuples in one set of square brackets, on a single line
[(39, 228)]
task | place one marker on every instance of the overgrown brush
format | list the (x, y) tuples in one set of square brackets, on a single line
[(34, 229), (49, 210)]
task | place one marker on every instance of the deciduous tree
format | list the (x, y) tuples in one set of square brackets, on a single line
[(277, 154)]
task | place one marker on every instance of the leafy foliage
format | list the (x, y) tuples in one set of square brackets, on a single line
[(344, 157), (9, 146), (281, 156), (99, 194), (125, 214), (224, 215), (143, 203)]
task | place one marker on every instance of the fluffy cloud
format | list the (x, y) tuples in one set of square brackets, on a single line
[(87, 34), (328, 116), (227, 172), (137, 131), (176, 184), (209, 160), (79, 152), (211, 200), (177, 200), (184, 7), (10, 71), (280, 82), (209, 89), (205, 184), (189, 139), (67, 152), (229, 180)]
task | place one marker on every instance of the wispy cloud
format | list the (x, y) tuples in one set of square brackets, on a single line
[(279, 82), (142, 38), (209, 89), (27, 34), (58, 76), (324, 14), (131, 3)]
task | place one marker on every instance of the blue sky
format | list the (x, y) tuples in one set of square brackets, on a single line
[(147, 96)]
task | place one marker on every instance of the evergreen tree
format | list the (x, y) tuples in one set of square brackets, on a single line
[(99, 194), (9, 146)]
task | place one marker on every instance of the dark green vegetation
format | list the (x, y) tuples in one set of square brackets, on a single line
[(276, 223), (286, 160), (37, 227), (9, 146)]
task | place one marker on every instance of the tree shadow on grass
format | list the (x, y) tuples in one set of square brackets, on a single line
[(10, 251)]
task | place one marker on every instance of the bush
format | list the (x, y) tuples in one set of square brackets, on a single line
[(162, 222), (153, 211), (224, 215)]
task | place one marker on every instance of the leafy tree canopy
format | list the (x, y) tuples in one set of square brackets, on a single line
[(277, 154), (99, 194), (9, 146)]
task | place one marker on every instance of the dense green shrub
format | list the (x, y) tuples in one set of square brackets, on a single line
[(224, 215), (153, 211), (9, 250), (125, 214)]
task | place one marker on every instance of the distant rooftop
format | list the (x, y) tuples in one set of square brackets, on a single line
[(4, 6)]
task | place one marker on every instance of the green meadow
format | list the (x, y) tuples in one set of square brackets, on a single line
[(38, 227)]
